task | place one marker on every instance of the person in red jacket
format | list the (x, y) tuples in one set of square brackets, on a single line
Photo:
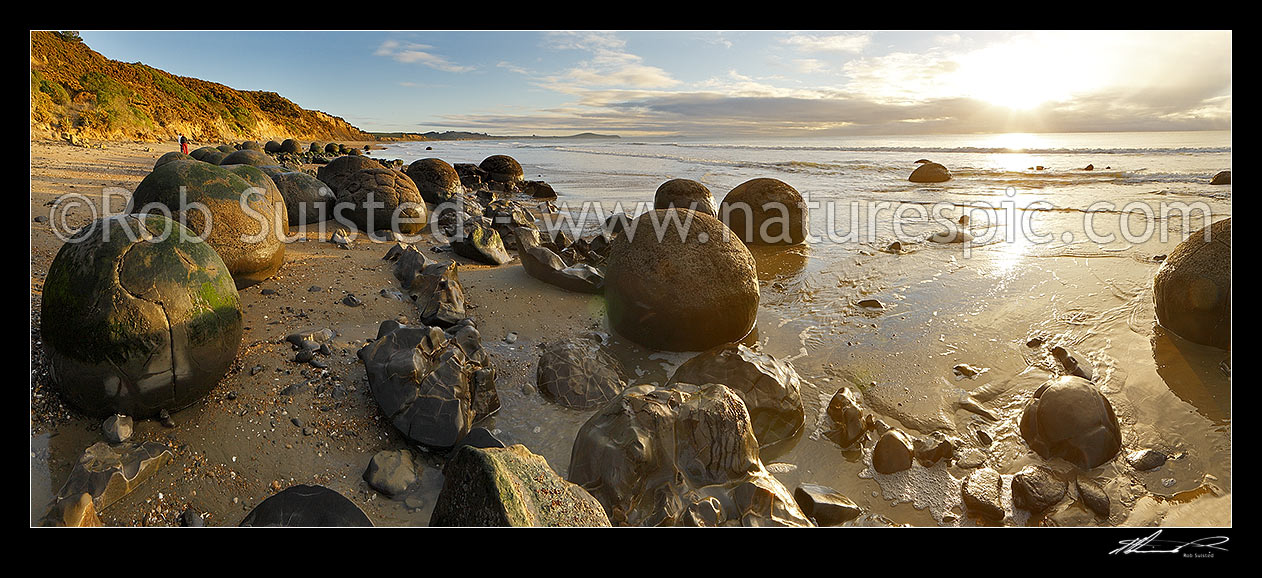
[(183, 144)]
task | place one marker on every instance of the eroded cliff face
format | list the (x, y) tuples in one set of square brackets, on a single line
[(76, 91)]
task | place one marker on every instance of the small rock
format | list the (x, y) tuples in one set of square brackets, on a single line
[(231, 395), (893, 453), (297, 421), (351, 301), (315, 289), (1036, 489), (267, 292), (1146, 459), (511, 337), (165, 418), (256, 369), (937, 448), (966, 370), (1073, 363), (117, 428), (1034, 342), (827, 506), (981, 492), (391, 472), (871, 304), (1093, 496), (41, 219)]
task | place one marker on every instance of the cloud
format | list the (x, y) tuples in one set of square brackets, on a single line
[(413, 53), (852, 43), (609, 65)]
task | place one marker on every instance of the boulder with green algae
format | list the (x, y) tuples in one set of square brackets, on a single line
[(680, 294), (108, 472), (685, 194), (210, 155), (246, 228), (171, 156), (432, 385), (1192, 289), (510, 487), (682, 455), (138, 326), (480, 242), (770, 388), (435, 179), (766, 211), (248, 157)]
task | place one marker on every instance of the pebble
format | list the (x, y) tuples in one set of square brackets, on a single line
[(1146, 459), (511, 337), (315, 289), (871, 304), (351, 301), (165, 418), (296, 421), (1036, 489), (1093, 496), (981, 491), (117, 428), (267, 292), (256, 369), (191, 519), (232, 395)]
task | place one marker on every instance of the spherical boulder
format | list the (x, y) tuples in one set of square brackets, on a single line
[(1192, 289), (766, 211), (290, 146), (307, 199), (332, 148), (437, 181), (380, 199), (689, 289), (271, 147), (306, 506), (138, 316), (1069, 418), (171, 156), (316, 147), (210, 155), (930, 173), (685, 194), (227, 149), (243, 226), (248, 157), (579, 374), (251, 145), (502, 168), (1221, 178), (340, 169)]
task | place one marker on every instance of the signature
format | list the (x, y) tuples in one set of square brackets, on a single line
[(1151, 545)]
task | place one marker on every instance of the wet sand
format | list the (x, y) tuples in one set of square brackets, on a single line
[(942, 310)]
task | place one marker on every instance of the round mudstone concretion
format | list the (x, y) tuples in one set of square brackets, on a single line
[(137, 316), (766, 212), (251, 145), (1221, 178), (316, 147), (307, 506), (337, 171), (210, 155), (172, 156), (208, 200), (333, 148), (685, 194), (227, 149), (930, 173), (1192, 289), (398, 205), (290, 146), (676, 294), (248, 157), (578, 373), (271, 147), (1070, 419), (435, 179), (502, 168), (307, 199)]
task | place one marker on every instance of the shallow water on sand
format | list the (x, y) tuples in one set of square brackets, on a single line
[(1064, 254)]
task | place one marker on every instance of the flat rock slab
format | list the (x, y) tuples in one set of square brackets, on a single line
[(107, 473), (981, 491)]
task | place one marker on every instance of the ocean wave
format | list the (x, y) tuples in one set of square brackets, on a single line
[(947, 150)]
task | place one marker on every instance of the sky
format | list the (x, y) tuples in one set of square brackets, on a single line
[(717, 83)]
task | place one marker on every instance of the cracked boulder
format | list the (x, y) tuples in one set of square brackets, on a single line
[(436, 180), (306, 506), (689, 288), (107, 472), (678, 456), (137, 327), (243, 225), (771, 389), (579, 374), (502, 169), (1192, 289), (545, 265), (434, 287), (433, 386), (510, 487), (379, 198), (1069, 418)]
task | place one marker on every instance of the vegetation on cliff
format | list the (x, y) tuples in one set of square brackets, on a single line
[(77, 91)]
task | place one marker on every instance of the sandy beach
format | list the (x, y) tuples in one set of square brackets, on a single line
[(272, 423)]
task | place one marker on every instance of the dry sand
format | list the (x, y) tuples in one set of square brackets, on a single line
[(230, 454)]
